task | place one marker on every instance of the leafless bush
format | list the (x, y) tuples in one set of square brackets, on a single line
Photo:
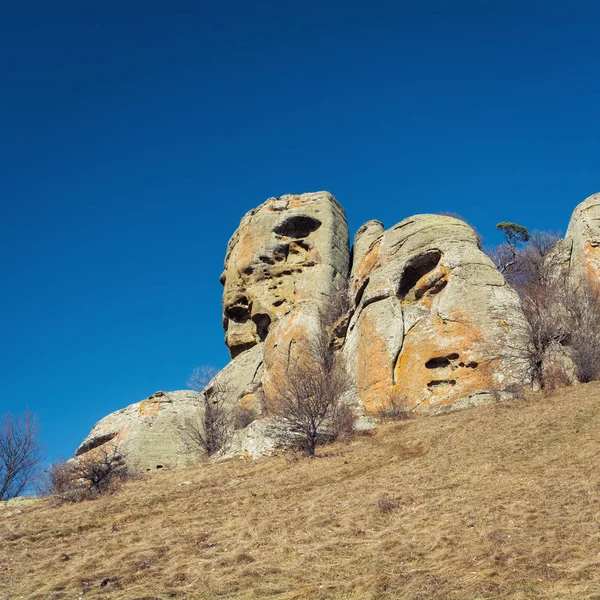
[(308, 407), (94, 474), (20, 453), (555, 376), (242, 417), (397, 410), (583, 310), (560, 329), (544, 328), (387, 504), (210, 429)]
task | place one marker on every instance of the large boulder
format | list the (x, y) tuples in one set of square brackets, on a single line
[(431, 312), (148, 434)]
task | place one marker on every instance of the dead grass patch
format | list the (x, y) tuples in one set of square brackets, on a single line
[(500, 501)]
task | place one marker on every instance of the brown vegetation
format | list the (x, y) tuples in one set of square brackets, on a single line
[(211, 428), (500, 501), (100, 472), (307, 407)]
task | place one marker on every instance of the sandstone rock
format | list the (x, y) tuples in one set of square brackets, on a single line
[(430, 313), (578, 255), (148, 433), (252, 442), (285, 251)]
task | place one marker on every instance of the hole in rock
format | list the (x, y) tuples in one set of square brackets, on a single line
[(299, 226), (262, 322), (437, 363), (441, 383), (361, 291), (472, 365), (417, 268), (278, 302), (239, 310)]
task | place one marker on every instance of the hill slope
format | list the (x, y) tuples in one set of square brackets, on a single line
[(500, 501)]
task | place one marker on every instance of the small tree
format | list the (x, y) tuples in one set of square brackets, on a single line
[(20, 453), (557, 334), (210, 429), (308, 407), (505, 255), (525, 263)]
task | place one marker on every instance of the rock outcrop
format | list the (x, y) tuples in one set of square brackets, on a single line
[(148, 434), (286, 251), (430, 313), (427, 315), (578, 254)]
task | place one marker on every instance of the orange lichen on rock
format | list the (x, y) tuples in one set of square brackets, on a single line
[(297, 201), (591, 254), (367, 264), (442, 361), (284, 349), (375, 375), (246, 402), (149, 407)]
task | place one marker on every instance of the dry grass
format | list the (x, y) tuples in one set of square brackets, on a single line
[(496, 502)]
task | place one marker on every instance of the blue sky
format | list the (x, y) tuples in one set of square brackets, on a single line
[(135, 135)]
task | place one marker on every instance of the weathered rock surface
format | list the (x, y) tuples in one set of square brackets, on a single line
[(578, 254), (427, 318), (148, 433), (430, 313), (285, 251)]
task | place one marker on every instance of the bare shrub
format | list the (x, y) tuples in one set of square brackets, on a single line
[(20, 453), (308, 408), (343, 421), (583, 310), (210, 429), (555, 377), (101, 472), (543, 329), (397, 410), (387, 504), (560, 330), (242, 417)]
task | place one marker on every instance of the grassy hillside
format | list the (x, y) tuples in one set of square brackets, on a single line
[(501, 501)]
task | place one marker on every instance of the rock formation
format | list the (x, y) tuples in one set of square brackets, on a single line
[(427, 314), (578, 254), (148, 433), (430, 313), (286, 251)]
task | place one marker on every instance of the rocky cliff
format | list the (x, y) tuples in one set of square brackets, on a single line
[(421, 318)]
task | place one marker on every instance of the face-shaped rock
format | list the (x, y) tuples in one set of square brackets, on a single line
[(287, 250), (430, 310)]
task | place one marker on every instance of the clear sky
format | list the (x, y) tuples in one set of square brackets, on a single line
[(135, 135)]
